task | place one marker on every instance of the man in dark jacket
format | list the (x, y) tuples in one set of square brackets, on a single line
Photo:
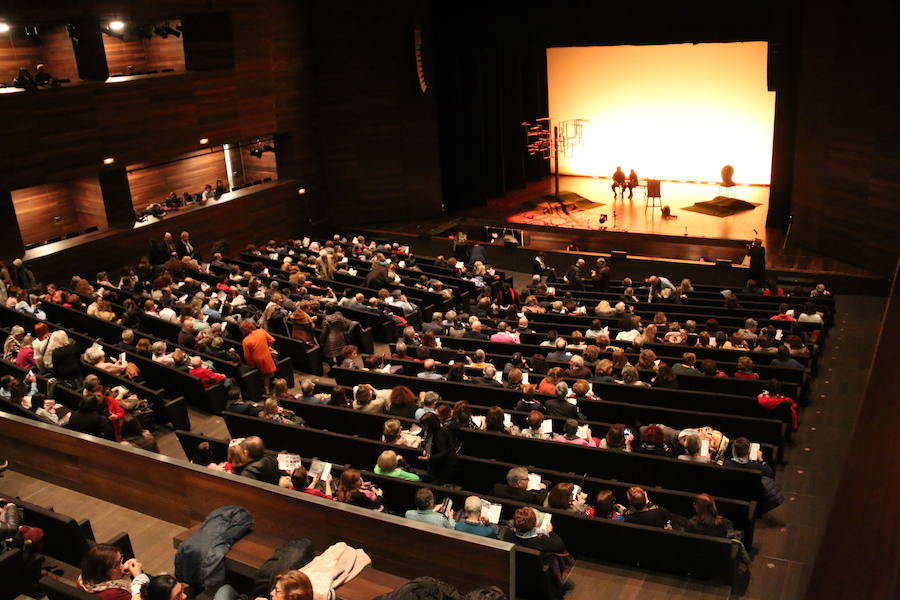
[(560, 406), (264, 466), (516, 486), (22, 276), (186, 336), (477, 253)]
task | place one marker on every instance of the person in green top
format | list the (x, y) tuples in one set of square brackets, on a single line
[(387, 465)]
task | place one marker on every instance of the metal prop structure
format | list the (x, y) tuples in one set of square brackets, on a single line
[(548, 140)]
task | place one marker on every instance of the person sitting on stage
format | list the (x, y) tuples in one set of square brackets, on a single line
[(632, 183), (618, 182)]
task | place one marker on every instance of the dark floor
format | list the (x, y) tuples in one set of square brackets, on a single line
[(782, 557)]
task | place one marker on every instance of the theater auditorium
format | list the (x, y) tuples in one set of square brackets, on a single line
[(306, 300)]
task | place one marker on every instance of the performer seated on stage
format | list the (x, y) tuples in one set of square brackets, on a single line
[(632, 183), (618, 182)]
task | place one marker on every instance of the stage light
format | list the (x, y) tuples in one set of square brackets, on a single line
[(204, 140), (301, 191), (4, 27), (116, 25), (109, 160)]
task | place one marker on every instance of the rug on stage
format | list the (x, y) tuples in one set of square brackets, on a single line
[(721, 206), (573, 203)]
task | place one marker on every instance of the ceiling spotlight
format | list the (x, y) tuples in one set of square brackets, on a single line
[(301, 191), (116, 25), (108, 160), (4, 27), (257, 152), (204, 140)]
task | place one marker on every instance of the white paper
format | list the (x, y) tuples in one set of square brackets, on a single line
[(572, 401), (321, 468), (415, 429), (405, 249), (450, 363), (575, 491), (288, 462), (534, 481), (123, 357), (524, 377), (221, 295), (507, 420), (551, 291), (351, 272), (547, 426), (448, 507), (754, 451), (345, 260), (545, 523), (386, 369), (490, 511), (479, 421), (402, 264), (704, 448), (591, 388), (204, 286), (499, 376), (582, 432), (183, 298)]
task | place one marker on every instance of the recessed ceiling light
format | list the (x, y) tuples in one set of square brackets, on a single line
[(204, 140), (116, 25), (301, 191), (4, 27), (108, 160)]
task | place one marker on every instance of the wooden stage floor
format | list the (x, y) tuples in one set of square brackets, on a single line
[(635, 216)]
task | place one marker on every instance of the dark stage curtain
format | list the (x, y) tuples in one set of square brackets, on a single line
[(488, 84)]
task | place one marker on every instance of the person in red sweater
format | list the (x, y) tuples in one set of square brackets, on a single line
[(208, 377), (104, 574), (782, 314), (771, 398), (745, 369)]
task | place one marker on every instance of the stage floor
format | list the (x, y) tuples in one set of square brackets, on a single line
[(634, 216)]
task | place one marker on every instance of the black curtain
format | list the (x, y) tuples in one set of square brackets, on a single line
[(489, 81)]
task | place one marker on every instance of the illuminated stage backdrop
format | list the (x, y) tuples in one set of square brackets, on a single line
[(679, 111)]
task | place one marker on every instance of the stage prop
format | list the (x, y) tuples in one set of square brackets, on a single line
[(539, 141), (721, 206)]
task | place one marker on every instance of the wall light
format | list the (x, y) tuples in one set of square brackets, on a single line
[(108, 160), (116, 25), (4, 27), (301, 191), (204, 140)]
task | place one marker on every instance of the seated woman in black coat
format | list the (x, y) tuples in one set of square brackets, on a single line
[(524, 532), (706, 519), (438, 449), (87, 419)]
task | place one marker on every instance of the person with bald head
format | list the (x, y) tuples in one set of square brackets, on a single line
[(262, 467), (428, 371), (472, 522)]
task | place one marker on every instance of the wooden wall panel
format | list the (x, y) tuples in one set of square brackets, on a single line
[(120, 55), (88, 202), (57, 53), (847, 159), (256, 169), (153, 184), (45, 211), (165, 53), (17, 51), (143, 54)]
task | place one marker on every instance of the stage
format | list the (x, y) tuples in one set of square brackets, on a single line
[(634, 215)]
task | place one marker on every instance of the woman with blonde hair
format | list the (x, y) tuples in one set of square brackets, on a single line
[(603, 309)]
